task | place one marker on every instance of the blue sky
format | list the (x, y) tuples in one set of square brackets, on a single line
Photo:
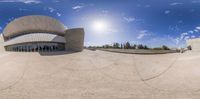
[(151, 22)]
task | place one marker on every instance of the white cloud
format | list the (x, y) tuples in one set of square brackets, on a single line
[(175, 28), (10, 19), (81, 6), (196, 30), (51, 9), (193, 36), (77, 7), (186, 37), (66, 26), (142, 34), (183, 35), (167, 11), (177, 40), (58, 14), (198, 27), (176, 3), (22, 1), (191, 32), (129, 19)]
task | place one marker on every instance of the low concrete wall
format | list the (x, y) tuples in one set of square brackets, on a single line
[(74, 39), (1, 43), (133, 51)]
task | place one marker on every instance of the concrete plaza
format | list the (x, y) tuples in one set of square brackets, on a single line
[(99, 75)]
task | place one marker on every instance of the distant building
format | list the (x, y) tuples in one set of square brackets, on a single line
[(37, 33), (194, 44)]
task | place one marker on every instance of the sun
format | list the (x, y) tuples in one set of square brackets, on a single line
[(100, 25)]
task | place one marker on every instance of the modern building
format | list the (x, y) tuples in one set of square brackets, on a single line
[(194, 44), (37, 33)]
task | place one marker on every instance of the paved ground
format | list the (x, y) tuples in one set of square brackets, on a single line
[(99, 75)]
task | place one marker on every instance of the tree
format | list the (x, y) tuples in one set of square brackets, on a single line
[(164, 47), (127, 45), (106, 46), (140, 46), (116, 45), (121, 46), (146, 47), (133, 46)]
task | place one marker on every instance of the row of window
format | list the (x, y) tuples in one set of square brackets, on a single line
[(36, 47)]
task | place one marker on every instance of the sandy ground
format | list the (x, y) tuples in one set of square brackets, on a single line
[(99, 75)]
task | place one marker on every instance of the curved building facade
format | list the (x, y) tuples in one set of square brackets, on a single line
[(194, 44), (41, 33)]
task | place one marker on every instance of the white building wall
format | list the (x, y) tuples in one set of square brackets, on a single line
[(1, 43), (194, 43)]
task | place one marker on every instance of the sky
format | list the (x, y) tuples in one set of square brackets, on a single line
[(150, 22)]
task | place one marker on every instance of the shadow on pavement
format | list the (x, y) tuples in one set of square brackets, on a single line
[(56, 53)]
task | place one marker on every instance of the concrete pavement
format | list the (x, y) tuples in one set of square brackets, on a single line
[(99, 75)]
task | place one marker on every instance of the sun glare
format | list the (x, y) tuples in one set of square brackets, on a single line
[(100, 26)]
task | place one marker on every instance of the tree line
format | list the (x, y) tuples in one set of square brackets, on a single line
[(127, 45)]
